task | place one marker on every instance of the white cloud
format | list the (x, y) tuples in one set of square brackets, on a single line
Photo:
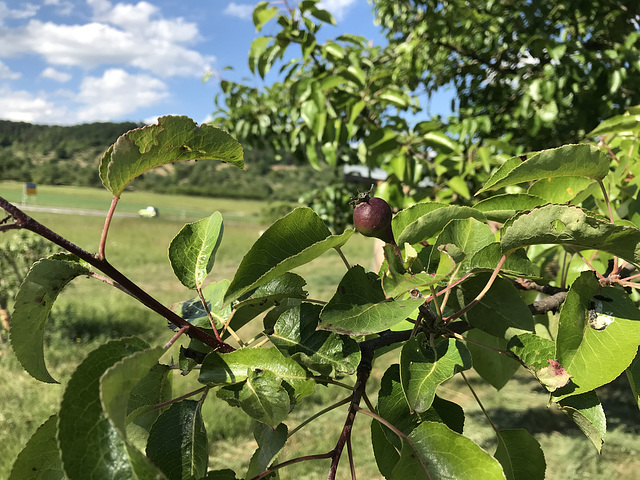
[(26, 10), (56, 75), (338, 8), (114, 95), (240, 10), (7, 73), (117, 93), (23, 106), (133, 35)]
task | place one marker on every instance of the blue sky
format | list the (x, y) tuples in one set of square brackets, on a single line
[(76, 61)]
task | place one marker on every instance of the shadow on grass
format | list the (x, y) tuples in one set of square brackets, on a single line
[(79, 323), (616, 398)]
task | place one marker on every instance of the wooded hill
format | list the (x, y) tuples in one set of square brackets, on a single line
[(69, 155)]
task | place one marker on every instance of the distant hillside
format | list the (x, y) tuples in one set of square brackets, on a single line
[(57, 155)]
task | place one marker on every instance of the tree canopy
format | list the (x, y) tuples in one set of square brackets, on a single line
[(545, 72), (527, 77)]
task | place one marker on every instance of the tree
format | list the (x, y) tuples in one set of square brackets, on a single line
[(449, 297), (527, 76), (546, 73)]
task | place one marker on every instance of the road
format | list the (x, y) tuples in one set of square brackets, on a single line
[(74, 211)]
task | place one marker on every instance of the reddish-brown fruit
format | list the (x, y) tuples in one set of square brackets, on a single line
[(372, 218)]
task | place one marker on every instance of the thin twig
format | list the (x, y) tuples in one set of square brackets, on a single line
[(307, 421), (482, 293), (611, 219), (209, 314), (450, 286), (273, 468), (600, 276), (495, 429), (181, 397), (451, 282), (107, 224), (469, 340), (350, 456), (175, 337), (344, 259), (109, 281)]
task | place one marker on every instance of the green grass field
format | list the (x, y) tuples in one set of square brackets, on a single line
[(89, 312)]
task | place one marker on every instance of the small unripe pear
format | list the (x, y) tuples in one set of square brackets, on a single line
[(372, 218)]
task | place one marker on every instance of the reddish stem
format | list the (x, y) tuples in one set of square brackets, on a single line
[(320, 456), (107, 224), (175, 337), (484, 291), (208, 310), (181, 397)]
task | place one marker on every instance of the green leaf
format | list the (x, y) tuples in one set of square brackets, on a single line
[(393, 407), (270, 444), (395, 283), (178, 442), (593, 356), (296, 336), (441, 450), (570, 225), (91, 446), (532, 350), (441, 141), (633, 375), (258, 46), (567, 161), (116, 386), (520, 455), (501, 312), (423, 369), (231, 368), (384, 452), (288, 285), (426, 220), (173, 139), (617, 124), (39, 290), (394, 96), (192, 252), (468, 234), (262, 396), (355, 74), (193, 311), (560, 189), (40, 457), (500, 208), (381, 140), (494, 367), (537, 355), (587, 412), (153, 389), (359, 306), (292, 241), (517, 263), (323, 15), (263, 12), (459, 186)]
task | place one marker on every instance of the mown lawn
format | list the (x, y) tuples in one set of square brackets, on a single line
[(88, 313)]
